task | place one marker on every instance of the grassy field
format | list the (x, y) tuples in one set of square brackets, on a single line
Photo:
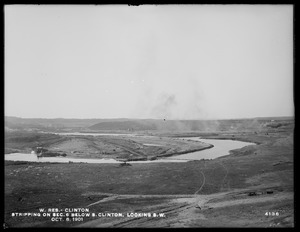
[(262, 168)]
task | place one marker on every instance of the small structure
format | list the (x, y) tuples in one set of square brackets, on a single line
[(252, 194), (39, 150), (124, 164)]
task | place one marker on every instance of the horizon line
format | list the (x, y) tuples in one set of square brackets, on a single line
[(114, 118)]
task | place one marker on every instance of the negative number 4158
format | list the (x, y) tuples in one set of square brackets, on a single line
[(272, 213)]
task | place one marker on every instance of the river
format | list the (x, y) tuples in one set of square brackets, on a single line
[(221, 148)]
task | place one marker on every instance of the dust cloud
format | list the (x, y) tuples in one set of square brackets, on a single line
[(164, 106)]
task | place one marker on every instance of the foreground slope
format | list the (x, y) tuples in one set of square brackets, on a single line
[(243, 189)]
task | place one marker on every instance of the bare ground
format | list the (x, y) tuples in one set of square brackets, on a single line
[(243, 189)]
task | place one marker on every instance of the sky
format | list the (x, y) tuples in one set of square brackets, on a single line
[(149, 61)]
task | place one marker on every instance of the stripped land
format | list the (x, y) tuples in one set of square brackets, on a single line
[(238, 190)]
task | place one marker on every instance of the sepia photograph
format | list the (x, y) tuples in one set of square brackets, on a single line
[(149, 116)]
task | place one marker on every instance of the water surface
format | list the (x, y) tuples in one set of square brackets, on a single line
[(221, 148), (33, 158)]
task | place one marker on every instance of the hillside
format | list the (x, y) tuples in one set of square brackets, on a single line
[(124, 124), (195, 125)]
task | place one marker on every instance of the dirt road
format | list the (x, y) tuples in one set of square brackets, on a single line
[(182, 210)]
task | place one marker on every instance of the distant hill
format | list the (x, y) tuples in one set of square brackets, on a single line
[(61, 124), (55, 123), (156, 124), (123, 125), (190, 125)]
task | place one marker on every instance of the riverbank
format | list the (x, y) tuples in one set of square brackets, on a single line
[(214, 148), (102, 146), (268, 166)]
